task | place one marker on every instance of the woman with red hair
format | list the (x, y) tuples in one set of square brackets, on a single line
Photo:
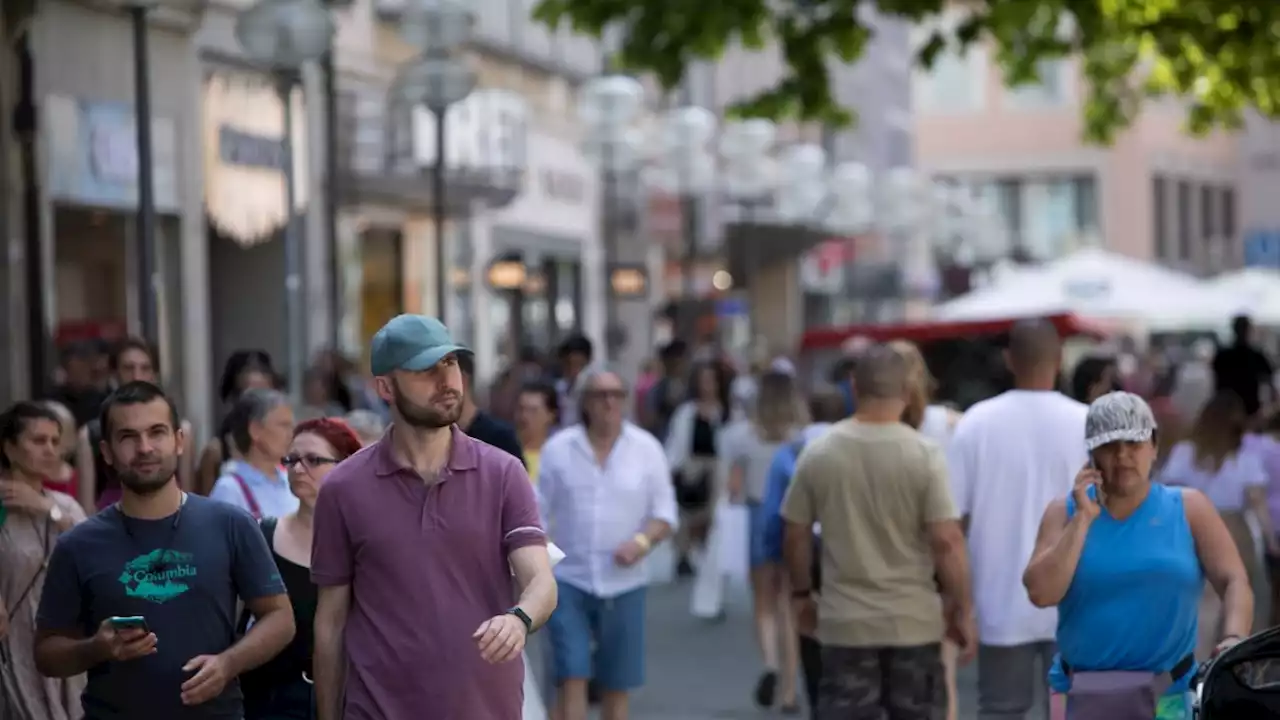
[(282, 687)]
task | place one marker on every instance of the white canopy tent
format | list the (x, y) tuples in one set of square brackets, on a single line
[(1092, 283), (1252, 291)]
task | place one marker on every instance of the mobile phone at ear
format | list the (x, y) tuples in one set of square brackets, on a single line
[(132, 622)]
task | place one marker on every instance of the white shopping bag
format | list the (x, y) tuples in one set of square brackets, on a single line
[(727, 557), (534, 708), (734, 522)]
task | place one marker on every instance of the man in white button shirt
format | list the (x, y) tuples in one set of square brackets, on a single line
[(607, 500)]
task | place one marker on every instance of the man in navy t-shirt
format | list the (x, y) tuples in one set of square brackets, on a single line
[(178, 561)]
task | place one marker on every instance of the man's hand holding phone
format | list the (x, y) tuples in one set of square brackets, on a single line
[(119, 644), (1086, 506)]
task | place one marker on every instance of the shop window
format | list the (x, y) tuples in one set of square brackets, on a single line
[(382, 282)]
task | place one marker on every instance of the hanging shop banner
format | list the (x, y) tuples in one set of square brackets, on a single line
[(244, 156)]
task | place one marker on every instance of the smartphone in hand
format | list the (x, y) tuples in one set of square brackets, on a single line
[(132, 622)]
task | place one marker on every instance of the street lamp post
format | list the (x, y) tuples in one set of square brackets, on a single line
[(686, 168), (608, 108), (284, 35), (148, 277), (437, 79), (749, 177)]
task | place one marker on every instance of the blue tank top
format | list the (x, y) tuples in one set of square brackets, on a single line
[(1134, 601)]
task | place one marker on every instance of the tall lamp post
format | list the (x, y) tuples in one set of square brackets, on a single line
[(437, 79), (686, 168), (748, 180), (148, 278), (608, 108), (284, 35)]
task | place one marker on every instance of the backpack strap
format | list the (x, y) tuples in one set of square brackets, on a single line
[(254, 508)]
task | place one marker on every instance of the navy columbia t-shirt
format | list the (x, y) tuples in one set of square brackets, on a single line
[(183, 577)]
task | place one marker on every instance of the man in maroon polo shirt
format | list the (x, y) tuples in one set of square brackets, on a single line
[(416, 539)]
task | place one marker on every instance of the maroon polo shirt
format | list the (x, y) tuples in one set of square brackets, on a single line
[(427, 564)]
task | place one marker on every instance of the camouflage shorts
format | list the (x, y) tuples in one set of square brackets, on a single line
[(906, 683)]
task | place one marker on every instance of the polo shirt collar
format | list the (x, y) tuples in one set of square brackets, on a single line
[(463, 453)]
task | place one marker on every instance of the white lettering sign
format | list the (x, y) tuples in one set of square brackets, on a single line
[(487, 131)]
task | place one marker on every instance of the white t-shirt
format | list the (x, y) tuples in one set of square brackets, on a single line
[(938, 424), (1009, 457)]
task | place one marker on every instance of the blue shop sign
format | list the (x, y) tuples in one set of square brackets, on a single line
[(94, 155), (1262, 248)]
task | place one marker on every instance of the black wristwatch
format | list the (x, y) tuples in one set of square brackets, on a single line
[(802, 594), (524, 618)]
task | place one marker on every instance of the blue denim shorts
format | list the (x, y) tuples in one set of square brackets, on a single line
[(616, 625), (761, 553)]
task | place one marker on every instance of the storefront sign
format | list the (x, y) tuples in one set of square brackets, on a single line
[(236, 147), (487, 131), (244, 156), (93, 155)]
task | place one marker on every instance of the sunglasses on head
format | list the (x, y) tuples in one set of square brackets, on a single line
[(309, 460)]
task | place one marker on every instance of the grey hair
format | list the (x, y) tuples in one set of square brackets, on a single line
[(584, 381), (881, 373), (366, 424), (253, 406)]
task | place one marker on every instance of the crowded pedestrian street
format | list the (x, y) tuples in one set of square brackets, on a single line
[(608, 360)]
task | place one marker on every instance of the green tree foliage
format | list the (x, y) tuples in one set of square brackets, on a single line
[(1222, 56)]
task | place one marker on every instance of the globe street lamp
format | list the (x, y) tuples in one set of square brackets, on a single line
[(686, 168), (750, 173), (436, 79), (284, 35), (608, 108), (148, 279)]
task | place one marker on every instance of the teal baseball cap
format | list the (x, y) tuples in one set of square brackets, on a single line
[(411, 342)]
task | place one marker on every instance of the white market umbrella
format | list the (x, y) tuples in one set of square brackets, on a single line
[(1252, 291), (1092, 283)]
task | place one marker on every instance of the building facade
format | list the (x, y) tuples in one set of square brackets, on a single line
[(82, 275), (520, 191), (1156, 193), (1258, 181)]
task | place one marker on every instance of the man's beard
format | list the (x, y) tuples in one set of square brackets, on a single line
[(424, 417), (149, 482)]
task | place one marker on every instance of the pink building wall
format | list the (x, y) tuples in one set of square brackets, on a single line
[(997, 139)]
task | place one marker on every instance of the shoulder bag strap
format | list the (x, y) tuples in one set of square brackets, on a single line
[(254, 509), (268, 526)]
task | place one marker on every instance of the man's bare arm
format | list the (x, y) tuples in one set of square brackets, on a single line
[(329, 656), (951, 561), (532, 567), (797, 552), (273, 628), (62, 656)]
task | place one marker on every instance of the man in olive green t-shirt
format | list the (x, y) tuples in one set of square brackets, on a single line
[(890, 537)]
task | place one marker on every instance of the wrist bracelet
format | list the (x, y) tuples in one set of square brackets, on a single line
[(643, 541)]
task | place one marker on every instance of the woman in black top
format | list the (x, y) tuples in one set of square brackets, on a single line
[(281, 689)]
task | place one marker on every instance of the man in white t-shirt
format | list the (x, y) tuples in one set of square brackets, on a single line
[(1009, 457)]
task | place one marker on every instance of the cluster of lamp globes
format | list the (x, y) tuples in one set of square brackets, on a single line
[(683, 152), (675, 154), (286, 34)]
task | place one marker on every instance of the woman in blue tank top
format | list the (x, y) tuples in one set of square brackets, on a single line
[(1124, 560)]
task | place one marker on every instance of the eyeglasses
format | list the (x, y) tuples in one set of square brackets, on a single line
[(311, 461), (606, 394)]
